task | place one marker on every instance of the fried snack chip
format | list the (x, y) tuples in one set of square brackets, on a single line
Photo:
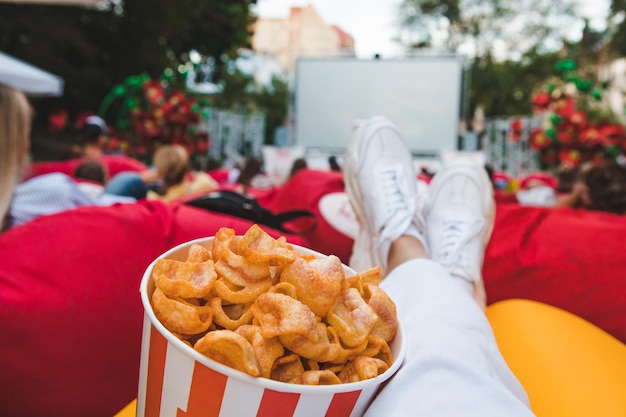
[(363, 367), (348, 354), (317, 282), (184, 279), (322, 377), (326, 349), (230, 349), (255, 304), (378, 348), (279, 314), (232, 266), (233, 294), (312, 365), (284, 288), (288, 369), (352, 318), (232, 316), (371, 276), (387, 324), (198, 253), (266, 350), (257, 246), (179, 316)]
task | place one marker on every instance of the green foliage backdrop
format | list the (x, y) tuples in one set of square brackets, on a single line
[(94, 49)]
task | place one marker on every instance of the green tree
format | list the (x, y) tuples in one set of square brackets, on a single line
[(505, 88), (617, 28), (242, 93), (94, 49), (514, 26), (273, 101)]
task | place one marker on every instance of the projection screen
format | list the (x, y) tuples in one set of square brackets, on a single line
[(422, 95)]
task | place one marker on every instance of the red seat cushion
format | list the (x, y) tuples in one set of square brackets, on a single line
[(114, 164), (70, 310), (304, 191), (571, 259)]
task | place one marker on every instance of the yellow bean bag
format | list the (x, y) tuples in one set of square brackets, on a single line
[(568, 366)]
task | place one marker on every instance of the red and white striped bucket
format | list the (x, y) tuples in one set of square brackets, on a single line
[(177, 381)]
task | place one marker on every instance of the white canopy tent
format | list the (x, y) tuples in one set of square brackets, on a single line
[(28, 78), (56, 2)]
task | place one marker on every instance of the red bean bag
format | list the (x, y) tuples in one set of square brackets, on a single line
[(113, 163), (304, 191), (571, 259), (70, 310)]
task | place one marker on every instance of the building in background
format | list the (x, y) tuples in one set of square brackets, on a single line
[(303, 34)]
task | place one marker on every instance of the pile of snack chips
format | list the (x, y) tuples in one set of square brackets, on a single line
[(254, 303)]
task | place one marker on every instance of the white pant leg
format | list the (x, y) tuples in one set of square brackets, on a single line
[(453, 367)]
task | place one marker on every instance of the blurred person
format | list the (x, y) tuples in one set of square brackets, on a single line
[(93, 136), (171, 164), (133, 184), (91, 170), (598, 188), (91, 177), (432, 260), (15, 121), (252, 167), (333, 164), (252, 175), (297, 165), (566, 177), (22, 201), (605, 188)]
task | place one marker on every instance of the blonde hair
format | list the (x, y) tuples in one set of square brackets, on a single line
[(15, 120), (172, 164)]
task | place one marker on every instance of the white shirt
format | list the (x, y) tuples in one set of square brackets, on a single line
[(52, 193)]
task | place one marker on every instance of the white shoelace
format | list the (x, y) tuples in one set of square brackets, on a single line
[(394, 199), (456, 234)]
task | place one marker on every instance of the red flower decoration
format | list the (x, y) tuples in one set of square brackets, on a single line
[(570, 157), (516, 130), (578, 119), (565, 134), (612, 135), (154, 91), (541, 101), (590, 136), (538, 139), (565, 107), (575, 126), (58, 121)]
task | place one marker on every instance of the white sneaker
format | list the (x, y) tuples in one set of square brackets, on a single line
[(382, 186), (459, 216)]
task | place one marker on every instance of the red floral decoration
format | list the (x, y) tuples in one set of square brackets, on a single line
[(58, 121), (516, 130), (577, 126), (153, 113)]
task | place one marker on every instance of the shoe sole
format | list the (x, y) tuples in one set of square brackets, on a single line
[(360, 141)]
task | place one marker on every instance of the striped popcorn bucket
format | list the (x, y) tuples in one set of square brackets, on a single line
[(177, 381)]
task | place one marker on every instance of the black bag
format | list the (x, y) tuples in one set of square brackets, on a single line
[(245, 207)]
